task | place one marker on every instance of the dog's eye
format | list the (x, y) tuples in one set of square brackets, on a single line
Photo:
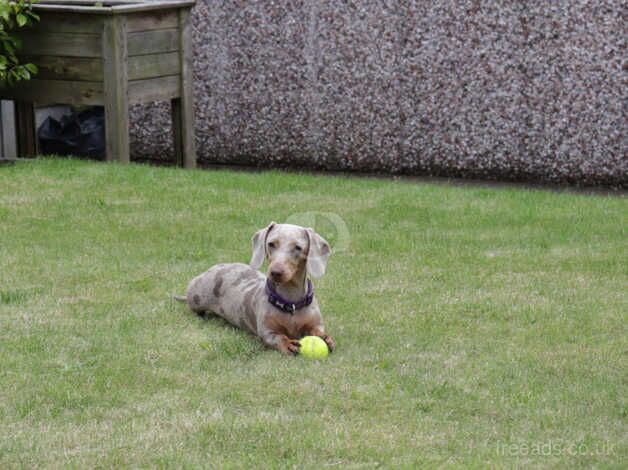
[(271, 245), (297, 248)]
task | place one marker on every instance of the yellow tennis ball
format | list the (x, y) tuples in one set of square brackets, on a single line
[(313, 347)]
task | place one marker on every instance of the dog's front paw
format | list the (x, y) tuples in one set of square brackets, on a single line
[(330, 342), (290, 346)]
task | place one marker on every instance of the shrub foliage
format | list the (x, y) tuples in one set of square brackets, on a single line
[(14, 15)]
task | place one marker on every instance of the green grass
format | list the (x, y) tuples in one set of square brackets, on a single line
[(475, 327)]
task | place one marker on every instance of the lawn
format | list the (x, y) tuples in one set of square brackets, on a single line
[(475, 326)]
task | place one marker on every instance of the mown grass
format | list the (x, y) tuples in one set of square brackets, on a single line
[(475, 327)]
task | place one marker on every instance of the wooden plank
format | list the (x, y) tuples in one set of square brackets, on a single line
[(108, 7), (109, 3), (82, 9), (55, 91), (61, 44), (152, 20), (81, 6), (7, 130), (152, 42), (153, 65), (186, 122), (86, 3), (68, 68), (148, 6), (116, 89), (91, 69), (154, 89), (68, 23), (26, 133)]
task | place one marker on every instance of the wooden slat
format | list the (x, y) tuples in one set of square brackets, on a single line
[(55, 91), (91, 69), (154, 89), (151, 5), (186, 114), (116, 89), (85, 3), (68, 68), (109, 8), (61, 44), (152, 42), (109, 3), (152, 20), (68, 23), (83, 6), (153, 65), (82, 9)]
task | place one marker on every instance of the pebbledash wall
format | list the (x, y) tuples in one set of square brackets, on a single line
[(518, 90)]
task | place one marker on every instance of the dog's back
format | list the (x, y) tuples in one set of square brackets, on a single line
[(230, 291)]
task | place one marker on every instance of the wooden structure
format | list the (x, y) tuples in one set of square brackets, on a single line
[(7, 131), (112, 53)]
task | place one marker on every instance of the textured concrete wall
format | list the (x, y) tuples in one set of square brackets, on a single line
[(498, 89)]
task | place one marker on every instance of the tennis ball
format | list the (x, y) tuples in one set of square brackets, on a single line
[(313, 347)]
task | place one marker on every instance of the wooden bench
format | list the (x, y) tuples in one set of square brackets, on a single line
[(112, 53)]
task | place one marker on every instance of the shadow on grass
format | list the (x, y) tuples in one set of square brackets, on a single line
[(17, 296), (229, 342)]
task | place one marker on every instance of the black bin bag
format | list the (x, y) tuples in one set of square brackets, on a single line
[(80, 134)]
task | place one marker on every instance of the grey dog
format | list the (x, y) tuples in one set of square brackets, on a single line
[(280, 307)]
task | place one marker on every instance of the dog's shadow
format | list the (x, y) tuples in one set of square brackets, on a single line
[(227, 340)]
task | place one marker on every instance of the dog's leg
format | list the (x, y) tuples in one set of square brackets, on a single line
[(281, 342)]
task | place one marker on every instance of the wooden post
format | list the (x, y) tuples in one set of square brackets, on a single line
[(8, 130), (25, 127), (116, 89), (183, 107), (177, 127)]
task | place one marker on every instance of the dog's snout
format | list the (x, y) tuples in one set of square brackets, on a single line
[(276, 274)]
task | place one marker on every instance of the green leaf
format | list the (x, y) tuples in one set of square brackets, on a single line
[(21, 19), (32, 68)]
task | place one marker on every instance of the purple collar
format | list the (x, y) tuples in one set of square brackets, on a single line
[(285, 305)]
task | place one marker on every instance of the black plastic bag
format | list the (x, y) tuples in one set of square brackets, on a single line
[(81, 134)]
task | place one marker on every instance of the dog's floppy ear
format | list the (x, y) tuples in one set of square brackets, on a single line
[(318, 254), (259, 246)]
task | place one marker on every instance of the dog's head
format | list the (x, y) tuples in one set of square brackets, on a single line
[(290, 249)]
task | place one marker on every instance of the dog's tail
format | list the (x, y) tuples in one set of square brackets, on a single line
[(180, 298)]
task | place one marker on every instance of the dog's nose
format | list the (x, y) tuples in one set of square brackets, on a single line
[(276, 274)]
